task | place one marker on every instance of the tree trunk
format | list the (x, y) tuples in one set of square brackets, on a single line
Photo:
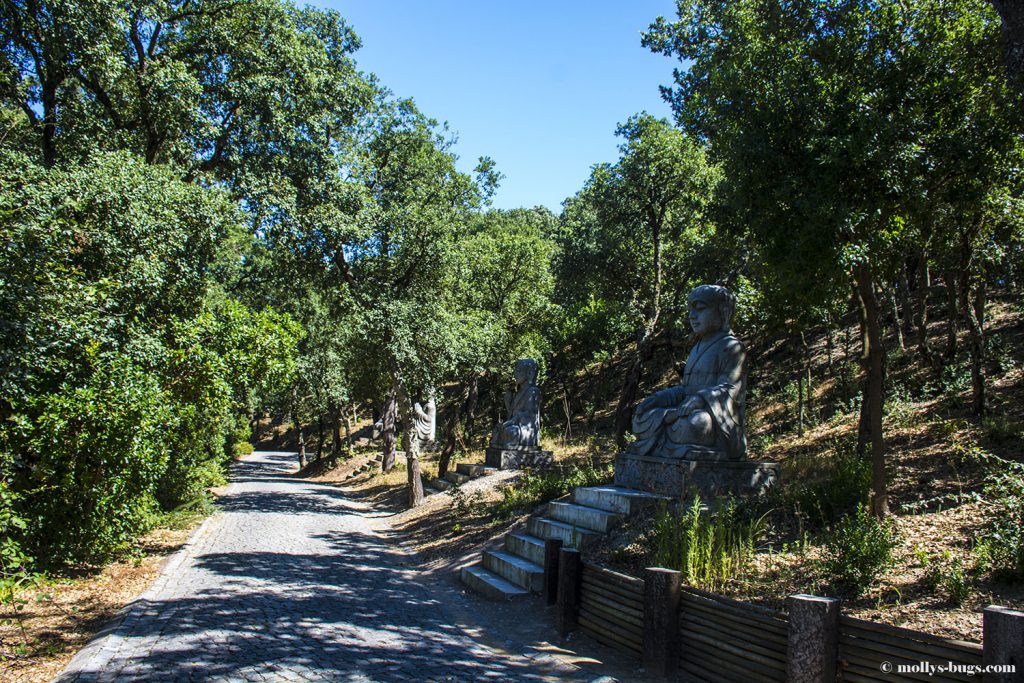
[(1012, 14), (873, 355), (974, 310), (319, 436), (800, 405), (412, 448), (924, 285), (906, 306), (952, 314), (302, 441), (897, 324), (388, 432), (336, 435), (471, 404), (624, 411), (451, 435), (830, 344)]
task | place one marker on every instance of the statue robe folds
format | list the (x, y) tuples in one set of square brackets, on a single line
[(713, 427), (522, 429)]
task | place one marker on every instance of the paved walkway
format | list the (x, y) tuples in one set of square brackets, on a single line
[(290, 582)]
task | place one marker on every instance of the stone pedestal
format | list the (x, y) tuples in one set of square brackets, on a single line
[(707, 477), (514, 459)]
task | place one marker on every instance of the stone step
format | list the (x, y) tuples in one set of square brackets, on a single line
[(489, 584), (582, 516), (614, 498), (572, 537), (474, 469), (515, 569), (526, 546), (456, 478), (442, 484)]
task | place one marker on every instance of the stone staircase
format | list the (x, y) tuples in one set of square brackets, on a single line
[(518, 568), (462, 473)]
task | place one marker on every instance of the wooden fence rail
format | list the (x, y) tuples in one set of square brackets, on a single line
[(714, 638)]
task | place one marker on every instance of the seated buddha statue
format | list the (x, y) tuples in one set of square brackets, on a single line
[(703, 417), (522, 428)]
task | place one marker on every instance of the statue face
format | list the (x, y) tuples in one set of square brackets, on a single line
[(705, 319), (523, 372)]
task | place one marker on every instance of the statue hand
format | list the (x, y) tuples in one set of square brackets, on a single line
[(691, 405)]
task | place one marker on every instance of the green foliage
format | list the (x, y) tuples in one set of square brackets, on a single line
[(828, 491), (97, 452), (857, 551), (463, 504), (946, 574), (708, 548), (1000, 547), (534, 488), (15, 566)]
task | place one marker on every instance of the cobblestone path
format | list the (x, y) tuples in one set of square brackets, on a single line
[(291, 583)]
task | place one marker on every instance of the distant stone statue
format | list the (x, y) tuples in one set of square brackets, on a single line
[(425, 422), (704, 417), (522, 428)]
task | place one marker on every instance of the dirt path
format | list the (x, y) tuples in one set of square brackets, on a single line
[(292, 581)]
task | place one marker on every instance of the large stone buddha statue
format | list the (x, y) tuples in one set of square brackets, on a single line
[(702, 418)]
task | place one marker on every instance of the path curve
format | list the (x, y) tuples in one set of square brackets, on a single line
[(290, 582)]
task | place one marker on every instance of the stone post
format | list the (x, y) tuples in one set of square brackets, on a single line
[(812, 652), (661, 620), (570, 576), (551, 548), (1003, 642)]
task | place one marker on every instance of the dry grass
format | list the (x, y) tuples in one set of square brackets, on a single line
[(60, 617)]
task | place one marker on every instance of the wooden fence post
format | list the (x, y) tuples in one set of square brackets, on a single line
[(570, 576), (813, 644), (551, 548), (1003, 643), (661, 620)]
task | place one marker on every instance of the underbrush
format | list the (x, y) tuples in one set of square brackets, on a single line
[(540, 486), (707, 548), (857, 551)]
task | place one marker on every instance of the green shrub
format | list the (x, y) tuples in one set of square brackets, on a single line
[(99, 450), (856, 551), (708, 548), (946, 575), (533, 488), (822, 500), (1000, 547)]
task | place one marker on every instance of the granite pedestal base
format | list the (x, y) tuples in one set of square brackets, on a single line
[(514, 459), (706, 477)]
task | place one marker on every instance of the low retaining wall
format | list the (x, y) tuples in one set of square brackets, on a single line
[(714, 638)]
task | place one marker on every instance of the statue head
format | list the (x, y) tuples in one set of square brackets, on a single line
[(710, 309), (526, 371)]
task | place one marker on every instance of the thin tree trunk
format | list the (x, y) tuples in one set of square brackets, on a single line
[(924, 285), (830, 337), (302, 441), (388, 432), (319, 436), (450, 431), (800, 405), (471, 405), (974, 310), (952, 314), (873, 355), (336, 433), (897, 324), (907, 307), (412, 448), (624, 411)]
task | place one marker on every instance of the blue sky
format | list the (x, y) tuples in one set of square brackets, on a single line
[(537, 86)]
